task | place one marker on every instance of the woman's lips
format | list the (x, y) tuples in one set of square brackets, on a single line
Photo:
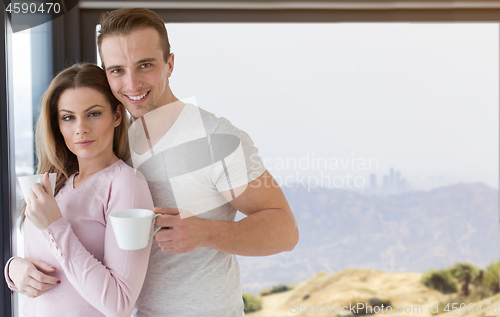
[(84, 143)]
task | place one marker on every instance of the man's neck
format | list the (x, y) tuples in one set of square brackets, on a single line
[(166, 100), (153, 126)]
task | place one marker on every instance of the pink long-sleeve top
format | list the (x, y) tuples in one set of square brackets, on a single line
[(97, 277)]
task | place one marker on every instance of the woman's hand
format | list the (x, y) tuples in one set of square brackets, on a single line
[(27, 276), (41, 206)]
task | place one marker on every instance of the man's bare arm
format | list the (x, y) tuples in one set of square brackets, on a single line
[(269, 227)]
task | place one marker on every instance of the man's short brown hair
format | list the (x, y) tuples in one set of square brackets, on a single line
[(124, 21)]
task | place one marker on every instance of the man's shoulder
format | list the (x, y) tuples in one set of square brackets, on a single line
[(212, 123)]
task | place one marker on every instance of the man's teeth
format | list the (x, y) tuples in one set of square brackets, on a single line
[(138, 97)]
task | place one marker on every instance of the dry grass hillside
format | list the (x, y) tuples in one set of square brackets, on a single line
[(326, 291)]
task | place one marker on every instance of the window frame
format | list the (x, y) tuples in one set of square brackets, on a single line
[(7, 162), (71, 43)]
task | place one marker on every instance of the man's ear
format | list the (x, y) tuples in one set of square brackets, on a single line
[(118, 115), (170, 64)]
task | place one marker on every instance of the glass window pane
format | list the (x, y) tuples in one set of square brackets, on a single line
[(23, 129), (379, 109), (32, 73)]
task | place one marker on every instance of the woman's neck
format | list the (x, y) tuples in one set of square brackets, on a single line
[(88, 167)]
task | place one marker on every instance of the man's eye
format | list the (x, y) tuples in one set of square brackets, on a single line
[(116, 71), (146, 65)]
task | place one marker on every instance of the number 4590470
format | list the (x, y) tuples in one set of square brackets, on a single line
[(24, 7), (470, 308)]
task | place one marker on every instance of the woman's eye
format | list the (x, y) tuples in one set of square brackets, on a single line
[(94, 114), (67, 118)]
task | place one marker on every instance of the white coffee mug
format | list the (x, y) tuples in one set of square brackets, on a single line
[(132, 227), (27, 182)]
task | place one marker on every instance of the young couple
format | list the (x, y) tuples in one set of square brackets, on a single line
[(73, 266)]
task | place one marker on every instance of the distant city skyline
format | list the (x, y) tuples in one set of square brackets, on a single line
[(392, 183)]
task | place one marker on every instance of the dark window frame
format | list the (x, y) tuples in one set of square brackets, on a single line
[(7, 174)]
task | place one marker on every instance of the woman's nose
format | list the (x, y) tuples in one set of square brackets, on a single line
[(82, 127)]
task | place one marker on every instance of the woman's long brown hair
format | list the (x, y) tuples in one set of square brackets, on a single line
[(51, 150)]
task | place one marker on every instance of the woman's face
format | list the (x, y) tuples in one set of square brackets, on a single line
[(87, 123)]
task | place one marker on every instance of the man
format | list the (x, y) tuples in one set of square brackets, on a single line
[(193, 270)]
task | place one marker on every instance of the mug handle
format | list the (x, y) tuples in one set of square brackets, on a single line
[(156, 228)]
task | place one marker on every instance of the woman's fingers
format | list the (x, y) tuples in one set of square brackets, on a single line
[(42, 209), (46, 185), (34, 288), (28, 277), (42, 266), (38, 190), (39, 286), (31, 195), (43, 279)]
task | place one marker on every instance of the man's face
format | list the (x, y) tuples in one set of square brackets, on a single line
[(136, 71)]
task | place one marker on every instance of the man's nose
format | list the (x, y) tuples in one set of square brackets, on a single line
[(134, 82)]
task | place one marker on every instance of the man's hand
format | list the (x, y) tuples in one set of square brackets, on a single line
[(179, 235), (27, 275)]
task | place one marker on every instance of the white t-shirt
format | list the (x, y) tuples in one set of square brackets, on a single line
[(199, 157)]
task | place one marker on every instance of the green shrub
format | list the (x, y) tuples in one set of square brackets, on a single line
[(480, 292), (459, 270), (354, 303), (379, 302), (491, 278), (252, 303), (368, 306), (485, 284), (280, 289), (441, 281)]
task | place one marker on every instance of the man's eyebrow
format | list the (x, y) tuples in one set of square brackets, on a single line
[(146, 60), (113, 67), (86, 110), (141, 61)]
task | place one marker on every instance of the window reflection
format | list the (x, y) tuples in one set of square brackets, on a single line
[(23, 131)]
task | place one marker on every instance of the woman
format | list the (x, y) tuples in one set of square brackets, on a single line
[(81, 135)]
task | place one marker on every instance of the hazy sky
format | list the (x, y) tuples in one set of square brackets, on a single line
[(422, 98)]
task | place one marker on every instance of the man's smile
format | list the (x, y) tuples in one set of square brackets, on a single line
[(137, 97)]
